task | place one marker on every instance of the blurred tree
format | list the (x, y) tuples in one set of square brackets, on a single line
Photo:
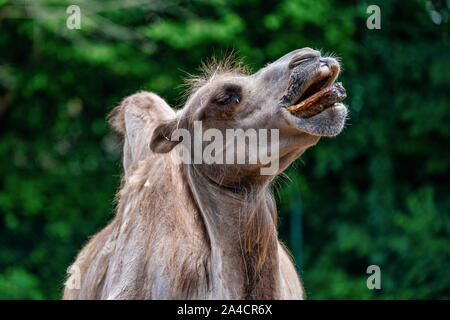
[(377, 194)]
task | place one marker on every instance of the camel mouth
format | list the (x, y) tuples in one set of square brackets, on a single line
[(319, 94), (317, 109), (316, 84)]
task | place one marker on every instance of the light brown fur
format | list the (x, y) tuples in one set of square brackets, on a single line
[(197, 231)]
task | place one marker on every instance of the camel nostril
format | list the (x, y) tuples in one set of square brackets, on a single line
[(324, 63)]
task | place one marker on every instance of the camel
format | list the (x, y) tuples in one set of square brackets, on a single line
[(205, 230)]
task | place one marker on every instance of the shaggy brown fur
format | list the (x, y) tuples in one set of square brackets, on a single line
[(198, 231)]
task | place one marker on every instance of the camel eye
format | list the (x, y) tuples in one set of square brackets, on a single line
[(230, 94), (228, 99)]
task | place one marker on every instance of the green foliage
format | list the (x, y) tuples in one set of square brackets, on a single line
[(377, 194)]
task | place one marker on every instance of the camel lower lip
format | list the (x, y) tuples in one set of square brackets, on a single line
[(330, 122), (321, 100)]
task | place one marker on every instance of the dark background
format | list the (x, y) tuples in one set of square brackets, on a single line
[(376, 194)]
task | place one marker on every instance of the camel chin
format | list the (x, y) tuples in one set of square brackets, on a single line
[(329, 122)]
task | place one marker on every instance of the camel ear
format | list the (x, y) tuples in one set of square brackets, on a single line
[(162, 136), (136, 118)]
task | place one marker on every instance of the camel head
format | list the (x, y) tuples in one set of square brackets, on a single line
[(227, 100)]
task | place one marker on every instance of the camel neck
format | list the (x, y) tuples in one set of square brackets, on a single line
[(241, 227)]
